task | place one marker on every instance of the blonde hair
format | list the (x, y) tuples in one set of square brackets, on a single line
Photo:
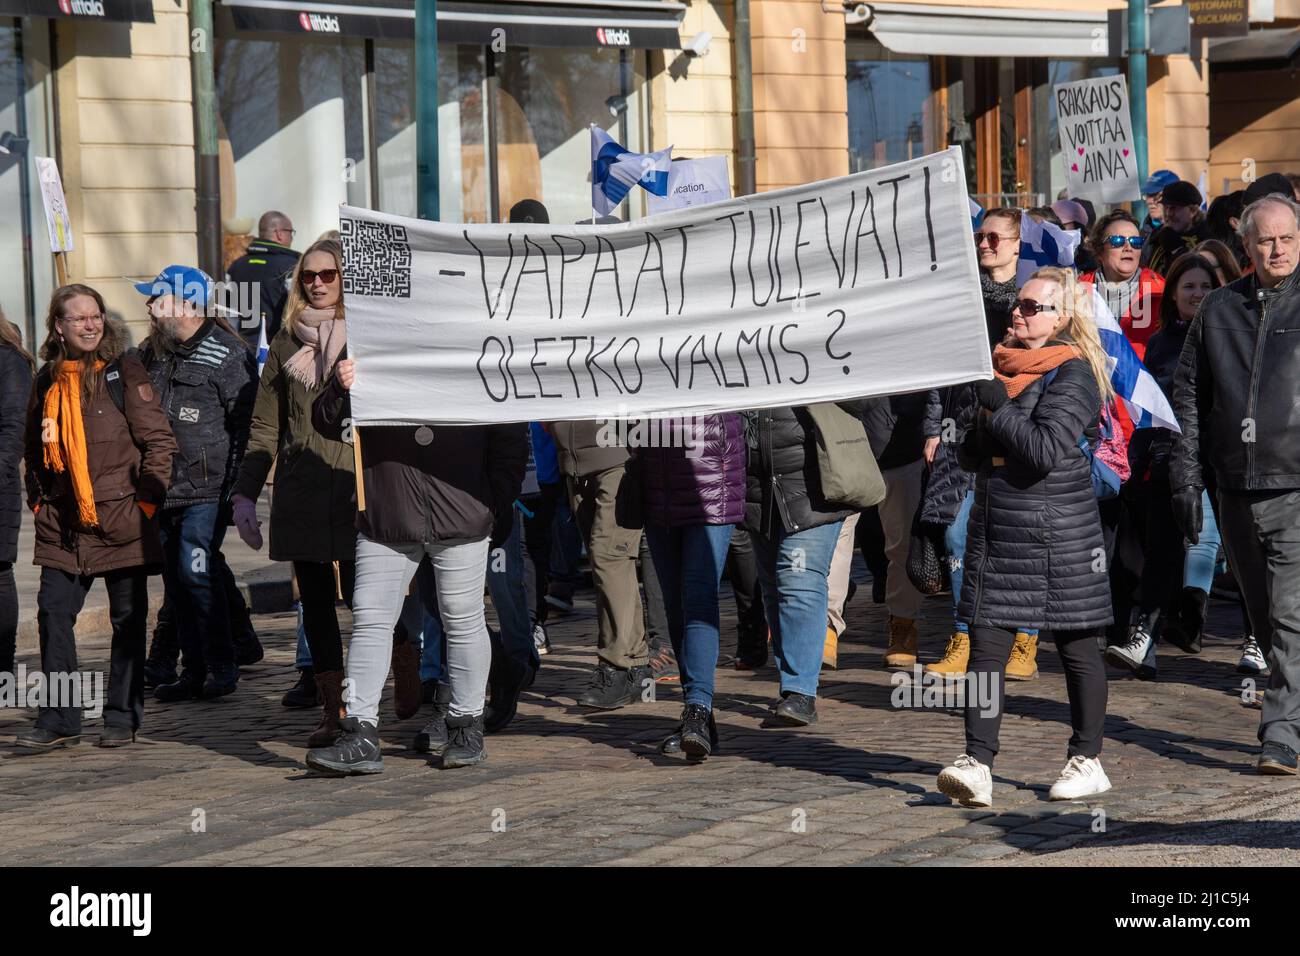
[(296, 302), (1080, 328)]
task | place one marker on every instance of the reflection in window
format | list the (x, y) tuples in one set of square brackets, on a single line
[(889, 107)]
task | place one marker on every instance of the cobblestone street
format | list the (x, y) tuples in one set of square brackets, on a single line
[(562, 786)]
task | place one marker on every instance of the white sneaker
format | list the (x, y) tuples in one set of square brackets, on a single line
[(541, 640), (1252, 659), (1082, 777), (1133, 654), (968, 781)]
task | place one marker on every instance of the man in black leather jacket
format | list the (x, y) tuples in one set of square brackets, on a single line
[(1235, 393)]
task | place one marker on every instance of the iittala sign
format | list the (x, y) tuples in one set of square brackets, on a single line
[(315, 22)]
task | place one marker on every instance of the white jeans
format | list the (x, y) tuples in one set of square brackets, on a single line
[(383, 575)]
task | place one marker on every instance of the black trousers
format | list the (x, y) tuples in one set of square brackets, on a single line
[(652, 597), (869, 536), (166, 645), (319, 619), (59, 601), (8, 617), (537, 548), (741, 570), (1085, 683)]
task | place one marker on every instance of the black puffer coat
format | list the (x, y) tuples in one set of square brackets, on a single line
[(1034, 551), (783, 486), (15, 386)]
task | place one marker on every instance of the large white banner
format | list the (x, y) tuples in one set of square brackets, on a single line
[(860, 286)]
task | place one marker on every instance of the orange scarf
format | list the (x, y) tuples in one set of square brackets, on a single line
[(1019, 368), (68, 451)]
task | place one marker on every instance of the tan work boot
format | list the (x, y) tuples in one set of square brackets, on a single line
[(1023, 662), (830, 650), (901, 653), (955, 657)]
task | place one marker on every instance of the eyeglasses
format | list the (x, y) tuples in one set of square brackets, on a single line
[(993, 238), (1029, 308), (82, 320), (1117, 242), (326, 275)]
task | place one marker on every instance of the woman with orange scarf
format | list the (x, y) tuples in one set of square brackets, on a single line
[(98, 454), (1034, 539)]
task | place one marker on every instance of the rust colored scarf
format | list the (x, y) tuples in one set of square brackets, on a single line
[(1019, 368), (66, 450)]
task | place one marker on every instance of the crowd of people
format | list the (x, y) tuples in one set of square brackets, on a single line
[(1047, 510)]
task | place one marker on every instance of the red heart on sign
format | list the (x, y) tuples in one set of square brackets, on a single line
[(1074, 167), (1126, 152), (1080, 150)]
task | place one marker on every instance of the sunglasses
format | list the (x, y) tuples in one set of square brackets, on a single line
[(1117, 242), (992, 238), (326, 275), (1029, 308)]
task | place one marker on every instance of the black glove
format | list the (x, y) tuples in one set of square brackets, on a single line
[(992, 394), (1187, 512), (502, 524)]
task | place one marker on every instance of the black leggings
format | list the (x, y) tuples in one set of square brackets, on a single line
[(8, 617), (1085, 682), (319, 620)]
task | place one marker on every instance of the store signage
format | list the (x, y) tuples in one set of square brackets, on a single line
[(1097, 139), (83, 8), (1219, 18), (860, 286), (318, 22), (609, 36)]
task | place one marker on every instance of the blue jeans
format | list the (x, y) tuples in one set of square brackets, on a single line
[(689, 563), (792, 569), (1201, 557), (954, 538), (192, 574)]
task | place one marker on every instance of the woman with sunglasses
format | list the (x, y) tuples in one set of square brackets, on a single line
[(1034, 532), (1132, 293), (98, 453), (313, 516)]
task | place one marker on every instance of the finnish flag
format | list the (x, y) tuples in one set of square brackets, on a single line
[(1147, 405), (614, 171), (1043, 244), (262, 347)]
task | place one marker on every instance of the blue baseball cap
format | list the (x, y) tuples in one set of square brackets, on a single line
[(184, 282), (1158, 180)]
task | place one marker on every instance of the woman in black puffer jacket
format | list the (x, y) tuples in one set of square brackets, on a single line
[(1034, 550)]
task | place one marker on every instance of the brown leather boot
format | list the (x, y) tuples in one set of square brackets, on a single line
[(329, 688), (408, 692)]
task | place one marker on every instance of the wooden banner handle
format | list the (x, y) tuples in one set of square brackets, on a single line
[(61, 268), (356, 464)]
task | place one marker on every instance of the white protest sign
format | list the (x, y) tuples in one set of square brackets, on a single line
[(860, 286), (56, 206), (692, 182), (1097, 139)]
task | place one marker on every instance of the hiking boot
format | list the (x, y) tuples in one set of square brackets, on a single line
[(612, 687), (185, 687), (1276, 759), (663, 663), (464, 742), (955, 658), (303, 693), (116, 736), (1252, 658), (164, 650), (901, 653), (1184, 629), (831, 650), (38, 738), (967, 781), (329, 688), (1082, 777), (1023, 662), (699, 731), (407, 692), (796, 710), (433, 738), (355, 751)]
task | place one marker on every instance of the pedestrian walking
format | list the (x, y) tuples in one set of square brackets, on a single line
[(263, 277)]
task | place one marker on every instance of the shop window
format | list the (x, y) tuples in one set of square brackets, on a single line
[(890, 106)]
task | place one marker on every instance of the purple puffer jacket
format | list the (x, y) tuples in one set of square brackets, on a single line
[(699, 477)]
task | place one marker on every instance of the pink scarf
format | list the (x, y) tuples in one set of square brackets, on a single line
[(324, 337)]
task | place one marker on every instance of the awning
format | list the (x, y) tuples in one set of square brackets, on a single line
[(640, 24), (936, 30), (1259, 48), (120, 11)]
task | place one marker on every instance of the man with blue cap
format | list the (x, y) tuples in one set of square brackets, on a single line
[(206, 379), (1152, 193)]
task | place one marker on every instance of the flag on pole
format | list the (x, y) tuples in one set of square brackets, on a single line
[(1203, 185), (614, 171), (1043, 244), (262, 347), (976, 214), (1145, 402)]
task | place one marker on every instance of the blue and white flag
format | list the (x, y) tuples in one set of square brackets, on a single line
[(1043, 244), (976, 214), (262, 347), (1147, 405), (614, 171)]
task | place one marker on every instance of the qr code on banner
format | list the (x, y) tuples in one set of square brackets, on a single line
[(376, 259)]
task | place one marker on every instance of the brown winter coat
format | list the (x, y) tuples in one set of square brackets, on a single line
[(130, 458)]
